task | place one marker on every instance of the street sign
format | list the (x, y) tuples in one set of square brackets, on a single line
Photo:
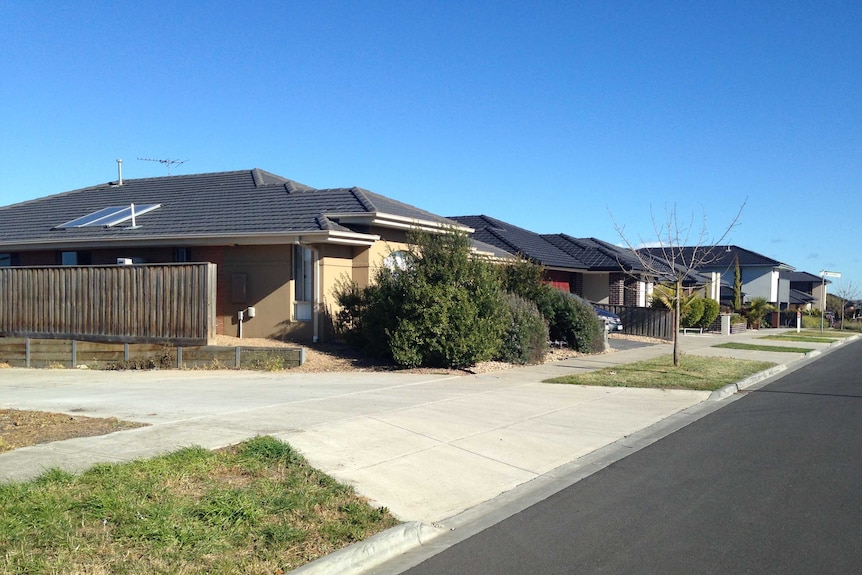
[(825, 274)]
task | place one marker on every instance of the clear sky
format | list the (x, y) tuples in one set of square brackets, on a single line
[(558, 117)]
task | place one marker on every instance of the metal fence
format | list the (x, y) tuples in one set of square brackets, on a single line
[(163, 303), (643, 321)]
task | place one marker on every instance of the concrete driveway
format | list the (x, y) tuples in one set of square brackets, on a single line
[(426, 446)]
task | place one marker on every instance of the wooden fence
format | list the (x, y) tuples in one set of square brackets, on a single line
[(163, 303), (26, 352), (643, 321)]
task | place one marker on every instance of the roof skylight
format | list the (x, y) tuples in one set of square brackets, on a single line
[(110, 216)]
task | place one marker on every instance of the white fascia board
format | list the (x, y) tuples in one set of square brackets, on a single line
[(335, 237), (491, 256), (394, 221)]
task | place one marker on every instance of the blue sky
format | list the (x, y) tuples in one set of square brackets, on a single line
[(558, 117)]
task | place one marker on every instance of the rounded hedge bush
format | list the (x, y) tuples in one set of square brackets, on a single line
[(525, 340)]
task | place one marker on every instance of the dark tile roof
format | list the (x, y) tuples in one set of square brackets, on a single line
[(721, 257), (597, 254), (518, 241), (243, 203), (800, 297), (800, 277)]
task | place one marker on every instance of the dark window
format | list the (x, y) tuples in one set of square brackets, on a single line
[(303, 274), (7, 260), (75, 258), (303, 283)]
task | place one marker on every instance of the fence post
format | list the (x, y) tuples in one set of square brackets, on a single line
[(26, 352)]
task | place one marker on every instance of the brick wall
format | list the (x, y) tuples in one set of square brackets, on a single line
[(616, 289)]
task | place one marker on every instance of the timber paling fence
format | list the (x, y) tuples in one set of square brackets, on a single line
[(159, 303), (643, 321)]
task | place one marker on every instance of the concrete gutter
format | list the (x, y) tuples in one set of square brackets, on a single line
[(365, 555)]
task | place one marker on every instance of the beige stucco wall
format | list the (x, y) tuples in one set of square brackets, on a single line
[(267, 273)]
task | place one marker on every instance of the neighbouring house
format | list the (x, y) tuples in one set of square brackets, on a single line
[(280, 246), (593, 269), (806, 290), (761, 276)]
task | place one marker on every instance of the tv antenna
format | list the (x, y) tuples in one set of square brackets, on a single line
[(168, 163)]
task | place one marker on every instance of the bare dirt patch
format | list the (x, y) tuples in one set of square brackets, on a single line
[(23, 428)]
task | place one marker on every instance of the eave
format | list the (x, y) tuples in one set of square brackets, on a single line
[(310, 237), (395, 221)]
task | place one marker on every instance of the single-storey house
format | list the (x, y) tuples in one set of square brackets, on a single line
[(279, 246), (593, 269)]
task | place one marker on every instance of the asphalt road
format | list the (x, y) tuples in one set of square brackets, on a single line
[(771, 483)]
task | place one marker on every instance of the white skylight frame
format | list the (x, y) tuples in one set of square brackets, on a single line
[(110, 216)]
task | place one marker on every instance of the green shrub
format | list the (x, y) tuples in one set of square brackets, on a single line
[(351, 300), (572, 320), (569, 317), (711, 309), (851, 325), (443, 308), (692, 313), (756, 311), (524, 278), (526, 337)]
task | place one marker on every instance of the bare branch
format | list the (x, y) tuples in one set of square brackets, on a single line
[(675, 258)]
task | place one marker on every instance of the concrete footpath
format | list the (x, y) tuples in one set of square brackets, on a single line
[(431, 448)]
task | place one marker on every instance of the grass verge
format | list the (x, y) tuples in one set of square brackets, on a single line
[(693, 373), (257, 507), (756, 347), (802, 338), (811, 336)]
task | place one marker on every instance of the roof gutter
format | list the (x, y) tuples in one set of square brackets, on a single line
[(118, 241)]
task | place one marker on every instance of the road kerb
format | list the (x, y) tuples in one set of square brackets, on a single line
[(364, 555), (732, 388)]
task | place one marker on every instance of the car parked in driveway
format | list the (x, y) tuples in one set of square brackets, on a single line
[(612, 320)]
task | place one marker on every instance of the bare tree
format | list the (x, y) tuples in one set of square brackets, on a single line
[(846, 292), (679, 250)]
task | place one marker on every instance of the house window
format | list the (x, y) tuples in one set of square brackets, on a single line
[(397, 260), (303, 282), (7, 260), (75, 258), (182, 255)]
